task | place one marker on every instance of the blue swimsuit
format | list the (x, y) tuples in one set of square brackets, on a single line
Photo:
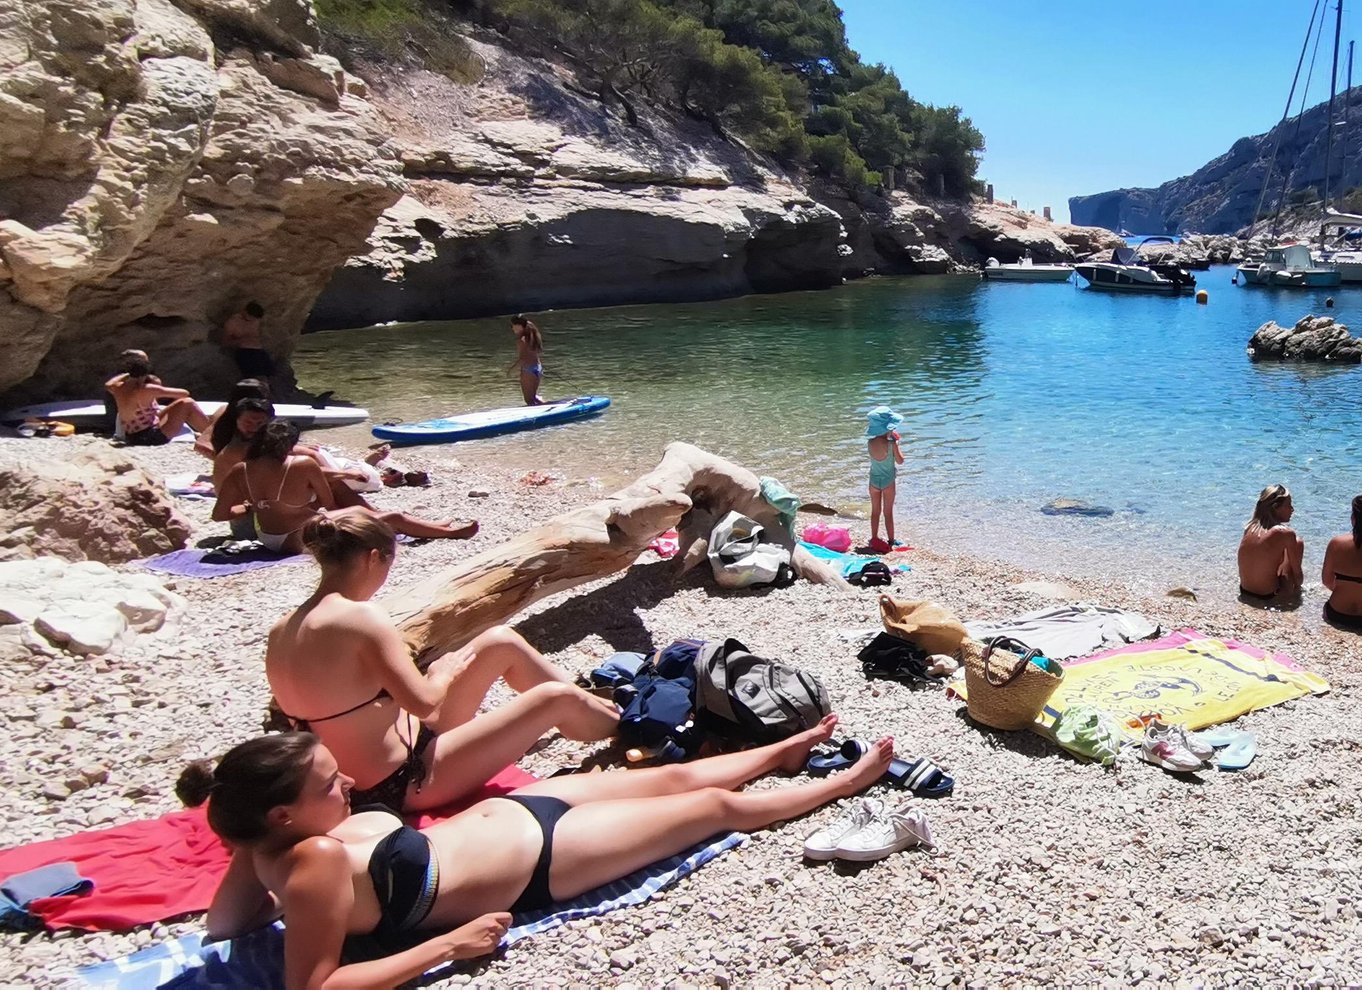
[(883, 472)]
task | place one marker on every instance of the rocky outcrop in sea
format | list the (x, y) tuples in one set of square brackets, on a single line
[(1313, 338)]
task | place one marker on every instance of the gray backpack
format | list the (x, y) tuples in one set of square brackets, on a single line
[(746, 697)]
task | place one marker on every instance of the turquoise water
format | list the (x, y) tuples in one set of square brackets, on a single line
[(1013, 395)]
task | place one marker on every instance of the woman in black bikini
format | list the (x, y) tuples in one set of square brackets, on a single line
[(363, 885), (338, 667), (1343, 575)]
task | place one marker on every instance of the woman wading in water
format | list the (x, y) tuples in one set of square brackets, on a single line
[(406, 900), (529, 358), (411, 741)]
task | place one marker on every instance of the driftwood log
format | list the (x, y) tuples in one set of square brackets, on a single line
[(689, 490)]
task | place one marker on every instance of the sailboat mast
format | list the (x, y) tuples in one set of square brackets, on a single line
[(1333, 92), (1347, 111)]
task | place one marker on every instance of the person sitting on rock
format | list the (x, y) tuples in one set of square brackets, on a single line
[(1270, 554), (338, 667), (241, 332), (138, 394), (1342, 575), (284, 491), (398, 901)]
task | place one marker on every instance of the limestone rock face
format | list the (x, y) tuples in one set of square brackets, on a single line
[(94, 505), (1313, 338), (151, 183)]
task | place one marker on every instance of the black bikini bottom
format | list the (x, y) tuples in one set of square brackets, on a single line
[(391, 791), (546, 811), (1352, 623), (1257, 597)]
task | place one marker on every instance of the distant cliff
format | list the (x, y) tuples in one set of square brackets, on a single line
[(1220, 197)]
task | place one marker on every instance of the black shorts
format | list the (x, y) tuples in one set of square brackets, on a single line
[(149, 437)]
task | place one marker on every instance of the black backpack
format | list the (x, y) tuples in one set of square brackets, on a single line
[(756, 700)]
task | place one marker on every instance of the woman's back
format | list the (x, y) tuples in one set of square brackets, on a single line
[(285, 494), (1344, 559)]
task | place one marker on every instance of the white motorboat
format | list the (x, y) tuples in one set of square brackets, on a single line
[(1026, 270), (1289, 266), (1348, 263), (1127, 271)]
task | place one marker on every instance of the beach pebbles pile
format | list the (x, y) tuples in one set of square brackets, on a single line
[(1050, 871)]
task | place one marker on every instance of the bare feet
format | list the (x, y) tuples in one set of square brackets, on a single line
[(800, 745), (459, 529), (870, 767), (377, 454)]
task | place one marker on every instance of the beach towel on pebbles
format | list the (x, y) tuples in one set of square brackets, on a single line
[(197, 562), (155, 870), (1070, 630), (256, 961)]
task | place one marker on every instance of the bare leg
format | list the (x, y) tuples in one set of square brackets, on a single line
[(876, 500), (419, 528), (887, 498), (529, 388), (467, 756), (644, 830), (179, 412), (729, 771), (500, 652), (345, 496), (1291, 573)]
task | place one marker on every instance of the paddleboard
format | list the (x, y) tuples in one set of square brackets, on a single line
[(491, 422), (88, 414)]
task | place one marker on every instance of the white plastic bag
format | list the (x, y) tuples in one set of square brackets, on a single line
[(738, 555)]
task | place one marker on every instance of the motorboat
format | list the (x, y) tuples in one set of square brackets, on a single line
[(1128, 271), (1026, 270), (1290, 266), (1348, 263)]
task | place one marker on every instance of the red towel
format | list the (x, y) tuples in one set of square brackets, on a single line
[(154, 870)]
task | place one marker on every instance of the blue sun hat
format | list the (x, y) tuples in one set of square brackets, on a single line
[(881, 420)]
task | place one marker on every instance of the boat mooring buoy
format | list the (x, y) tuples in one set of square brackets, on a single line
[(1235, 280), (1329, 303), (1202, 297)]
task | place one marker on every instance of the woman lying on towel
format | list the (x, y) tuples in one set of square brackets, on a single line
[(412, 741), (284, 491), (1270, 552), (1343, 575), (365, 884)]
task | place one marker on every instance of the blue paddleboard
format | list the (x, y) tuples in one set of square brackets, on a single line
[(491, 422)]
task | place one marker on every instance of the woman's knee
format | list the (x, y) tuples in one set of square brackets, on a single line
[(501, 635)]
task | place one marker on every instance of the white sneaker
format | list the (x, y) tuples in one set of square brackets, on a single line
[(1197, 746), (887, 833), (822, 843), (1166, 746)]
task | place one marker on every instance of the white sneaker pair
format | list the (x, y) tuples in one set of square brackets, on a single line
[(1174, 748), (868, 831)]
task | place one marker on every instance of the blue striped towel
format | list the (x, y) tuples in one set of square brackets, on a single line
[(256, 961)]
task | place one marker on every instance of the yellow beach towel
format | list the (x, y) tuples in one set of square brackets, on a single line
[(1187, 678)]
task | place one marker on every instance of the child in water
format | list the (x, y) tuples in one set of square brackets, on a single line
[(885, 457)]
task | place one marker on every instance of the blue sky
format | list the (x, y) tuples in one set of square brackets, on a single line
[(1080, 97)]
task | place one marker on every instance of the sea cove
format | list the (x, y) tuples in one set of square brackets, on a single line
[(1014, 395)]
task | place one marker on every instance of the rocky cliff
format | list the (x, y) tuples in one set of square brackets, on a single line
[(164, 161), (1221, 196), (160, 164), (526, 194)]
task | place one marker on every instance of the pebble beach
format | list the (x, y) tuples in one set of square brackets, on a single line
[(1050, 871)]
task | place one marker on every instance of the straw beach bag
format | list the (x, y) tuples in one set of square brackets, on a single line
[(1006, 689)]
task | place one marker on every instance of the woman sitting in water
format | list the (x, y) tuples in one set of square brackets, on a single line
[(408, 900), (284, 491), (338, 668), (1343, 575), (138, 394), (1270, 553)]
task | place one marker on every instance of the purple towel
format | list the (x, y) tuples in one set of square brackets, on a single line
[(213, 563)]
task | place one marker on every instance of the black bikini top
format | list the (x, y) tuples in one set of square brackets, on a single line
[(305, 723), (406, 878)]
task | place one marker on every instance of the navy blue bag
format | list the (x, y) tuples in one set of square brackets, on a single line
[(658, 705)]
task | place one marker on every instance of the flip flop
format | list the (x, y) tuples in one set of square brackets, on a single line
[(822, 764), (1238, 753), (921, 776)]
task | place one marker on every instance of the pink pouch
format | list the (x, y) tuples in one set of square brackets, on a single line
[(836, 538)]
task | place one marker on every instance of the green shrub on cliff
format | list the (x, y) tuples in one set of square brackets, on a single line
[(400, 28)]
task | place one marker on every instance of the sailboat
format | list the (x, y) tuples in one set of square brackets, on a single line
[(1292, 265)]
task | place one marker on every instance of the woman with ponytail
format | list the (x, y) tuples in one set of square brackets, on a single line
[(412, 741), (1343, 575), (369, 901)]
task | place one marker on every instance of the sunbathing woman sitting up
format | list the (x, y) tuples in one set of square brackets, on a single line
[(362, 882), (1270, 552), (1342, 575), (138, 394), (285, 491), (338, 667)]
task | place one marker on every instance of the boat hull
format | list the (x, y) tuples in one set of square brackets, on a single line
[(1310, 278), (1034, 273), (1106, 280)]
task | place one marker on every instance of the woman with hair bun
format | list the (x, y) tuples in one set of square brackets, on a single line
[(411, 741), (1342, 575), (284, 491), (370, 901)]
